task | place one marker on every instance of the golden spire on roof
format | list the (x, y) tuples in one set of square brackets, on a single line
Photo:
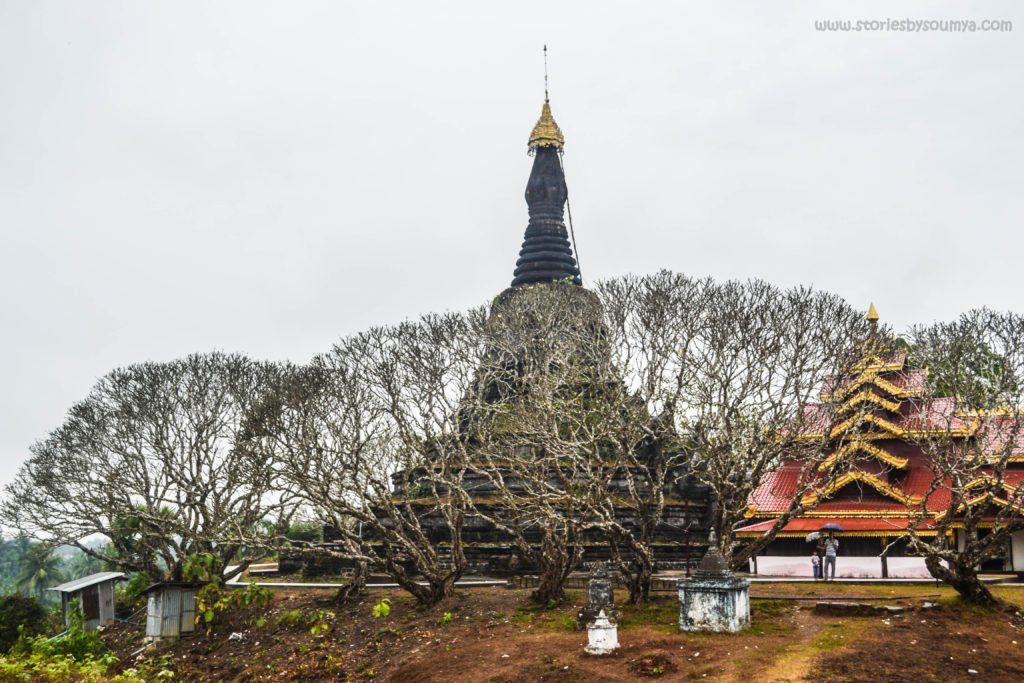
[(873, 318), (546, 133)]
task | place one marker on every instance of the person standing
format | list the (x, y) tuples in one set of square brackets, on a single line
[(831, 547), (816, 565)]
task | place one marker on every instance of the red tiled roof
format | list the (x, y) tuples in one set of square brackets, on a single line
[(996, 435), (908, 379), (776, 490)]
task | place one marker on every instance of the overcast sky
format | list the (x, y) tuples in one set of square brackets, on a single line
[(268, 177)]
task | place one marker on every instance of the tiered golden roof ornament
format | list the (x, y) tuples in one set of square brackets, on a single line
[(546, 133)]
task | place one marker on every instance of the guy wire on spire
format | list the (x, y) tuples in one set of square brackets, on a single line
[(568, 210), (561, 163)]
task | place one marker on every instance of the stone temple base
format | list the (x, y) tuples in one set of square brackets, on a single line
[(719, 604)]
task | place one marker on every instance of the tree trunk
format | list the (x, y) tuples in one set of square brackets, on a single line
[(551, 588), (639, 581), (556, 561), (964, 580), (355, 585)]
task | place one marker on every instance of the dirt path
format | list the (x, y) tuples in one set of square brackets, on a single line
[(795, 660)]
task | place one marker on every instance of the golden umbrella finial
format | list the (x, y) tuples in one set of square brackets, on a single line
[(873, 318), (546, 133)]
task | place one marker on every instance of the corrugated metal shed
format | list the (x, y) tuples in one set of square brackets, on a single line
[(170, 609), (95, 595), (72, 586)]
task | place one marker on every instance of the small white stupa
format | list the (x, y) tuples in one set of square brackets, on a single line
[(603, 636)]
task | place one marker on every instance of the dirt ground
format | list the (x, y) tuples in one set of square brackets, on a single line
[(495, 635)]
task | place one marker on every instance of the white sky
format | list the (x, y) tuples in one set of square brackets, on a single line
[(265, 178)]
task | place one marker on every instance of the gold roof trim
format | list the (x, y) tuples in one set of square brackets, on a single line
[(546, 133), (973, 502), (863, 446), (896, 431), (870, 375), (869, 479), (875, 362), (871, 397)]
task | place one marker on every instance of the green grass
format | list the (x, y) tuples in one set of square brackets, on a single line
[(659, 616), (555, 619), (767, 617), (769, 609), (832, 637), (961, 607)]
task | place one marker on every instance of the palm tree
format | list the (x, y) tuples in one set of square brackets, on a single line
[(82, 564), (38, 569)]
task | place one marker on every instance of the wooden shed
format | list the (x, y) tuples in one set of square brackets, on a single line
[(170, 609), (95, 595)]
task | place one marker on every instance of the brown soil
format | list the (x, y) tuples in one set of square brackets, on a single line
[(495, 635)]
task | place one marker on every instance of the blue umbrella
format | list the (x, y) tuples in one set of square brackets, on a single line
[(831, 526)]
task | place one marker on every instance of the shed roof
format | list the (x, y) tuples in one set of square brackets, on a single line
[(85, 581), (173, 584)]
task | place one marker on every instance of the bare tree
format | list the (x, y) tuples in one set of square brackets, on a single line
[(751, 383), (370, 437), (543, 387), (649, 321), (723, 382), (613, 403), (149, 460), (969, 424)]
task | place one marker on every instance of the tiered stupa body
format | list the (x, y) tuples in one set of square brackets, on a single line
[(546, 254), (873, 419)]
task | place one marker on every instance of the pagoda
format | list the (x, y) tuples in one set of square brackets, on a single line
[(546, 263), (877, 475)]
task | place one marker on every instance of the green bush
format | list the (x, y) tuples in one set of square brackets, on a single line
[(290, 619), (37, 667), (19, 614), (77, 655), (128, 596), (213, 600), (310, 532), (76, 642)]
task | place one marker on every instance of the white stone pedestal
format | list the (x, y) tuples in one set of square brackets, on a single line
[(603, 636), (714, 599)]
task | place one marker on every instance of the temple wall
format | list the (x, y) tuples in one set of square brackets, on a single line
[(847, 566), (1017, 551)]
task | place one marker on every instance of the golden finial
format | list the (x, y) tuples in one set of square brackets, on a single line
[(545, 73), (873, 318), (546, 133)]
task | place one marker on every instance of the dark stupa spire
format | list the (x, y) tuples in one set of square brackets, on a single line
[(546, 255)]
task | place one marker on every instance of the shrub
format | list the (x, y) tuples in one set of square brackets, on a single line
[(212, 600), (290, 619), (19, 614), (129, 595), (76, 642), (382, 608), (320, 622)]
